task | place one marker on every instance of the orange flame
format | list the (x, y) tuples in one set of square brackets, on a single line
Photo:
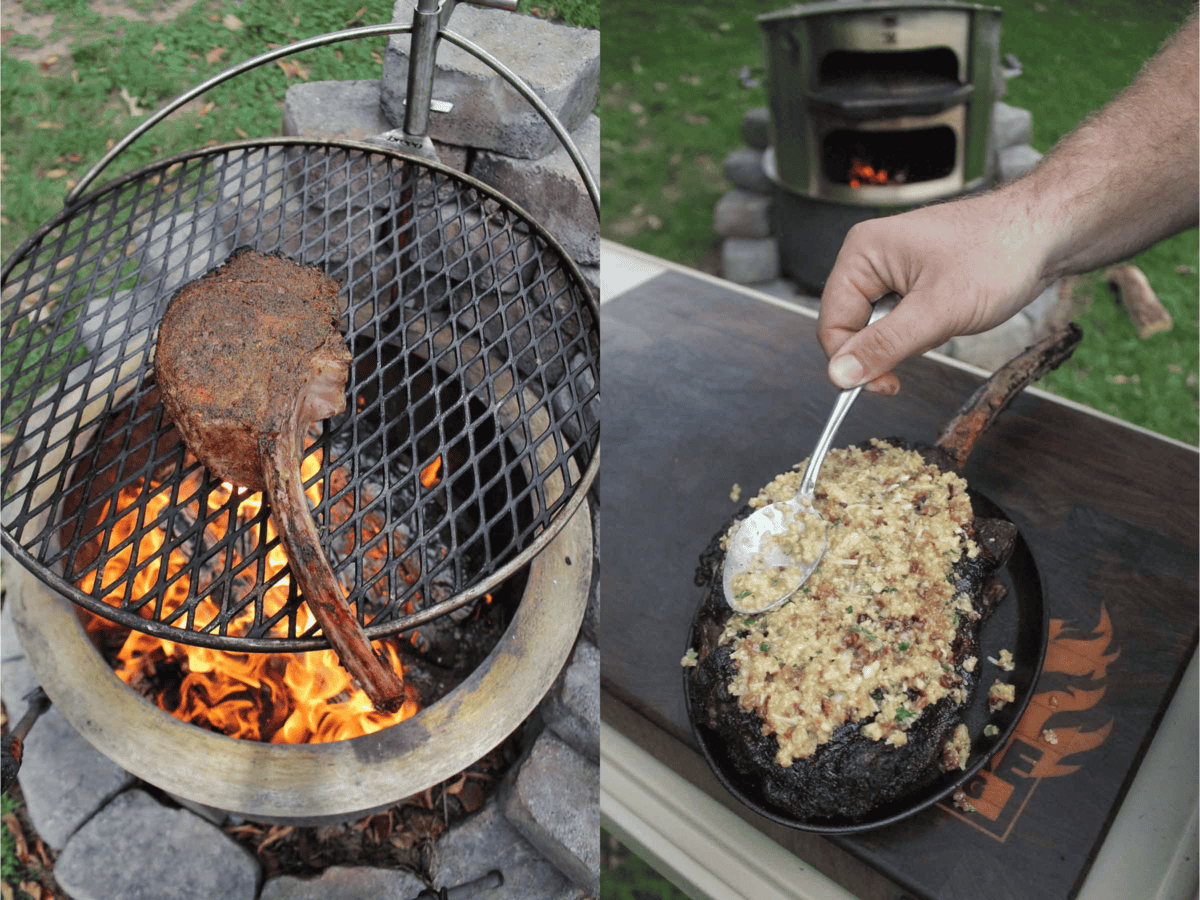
[(429, 474), (861, 173), (279, 698)]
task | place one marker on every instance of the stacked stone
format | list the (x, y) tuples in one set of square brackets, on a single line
[(749, 251), (490, 132)]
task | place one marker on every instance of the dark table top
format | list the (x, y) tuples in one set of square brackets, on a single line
[(705, 387)]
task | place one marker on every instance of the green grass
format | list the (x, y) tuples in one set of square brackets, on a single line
[(672, 100), (624, 876), (58, 122), (12, 872)]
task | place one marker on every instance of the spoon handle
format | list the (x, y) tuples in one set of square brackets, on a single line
[(808, 483)]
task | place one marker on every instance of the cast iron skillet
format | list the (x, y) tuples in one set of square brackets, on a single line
[(1020, 624)]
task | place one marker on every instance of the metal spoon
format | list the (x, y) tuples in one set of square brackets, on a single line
[(746, 550)]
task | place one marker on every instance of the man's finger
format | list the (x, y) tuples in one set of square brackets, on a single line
[(876, 350)]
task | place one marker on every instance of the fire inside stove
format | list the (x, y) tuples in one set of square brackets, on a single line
[(905, 156)]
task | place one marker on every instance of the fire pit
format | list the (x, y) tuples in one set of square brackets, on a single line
[(875, 108), (456, 477)]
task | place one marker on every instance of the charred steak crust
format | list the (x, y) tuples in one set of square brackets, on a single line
[(850, 775), (260, 298), (248, 357)]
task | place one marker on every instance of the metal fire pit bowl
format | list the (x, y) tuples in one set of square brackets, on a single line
[(313, 783), (475, 341), (475, 345)]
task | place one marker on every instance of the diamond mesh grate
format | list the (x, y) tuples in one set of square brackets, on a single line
[(476, 363)]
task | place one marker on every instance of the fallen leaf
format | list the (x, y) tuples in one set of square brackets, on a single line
[(693, 119), (46, 126), (206, 109), (277, 832), (56, 173), (43, 853), (214, 54), (13, 824), (292, 69), (232, 22), (6, 891), (33, 889), (374, 56), (1174, 368), (132, 102), (241, 133), (158, 47)]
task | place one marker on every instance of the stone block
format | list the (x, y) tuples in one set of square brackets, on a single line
[(137, 848), (744, 168), (743, 214), (750, 260), (756, 128), (64, 779), (591, 618), (1013, 162), (572, 707), (551, 190), (488, 841), (345, 883), (334, 109), (555, 804), (1010, 126), (992, 349), (560, 64)]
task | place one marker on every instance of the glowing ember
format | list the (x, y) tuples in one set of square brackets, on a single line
[(429, 474), (861, 173), (279, 698)]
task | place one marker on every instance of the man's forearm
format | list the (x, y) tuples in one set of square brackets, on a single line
[(1126, 177)]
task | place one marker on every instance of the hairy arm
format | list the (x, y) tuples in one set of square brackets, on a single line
[(1124, 179)]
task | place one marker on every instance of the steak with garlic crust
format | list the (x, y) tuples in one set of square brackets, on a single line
[(797, 701)]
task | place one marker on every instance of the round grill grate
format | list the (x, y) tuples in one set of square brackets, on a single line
[(476, 365)]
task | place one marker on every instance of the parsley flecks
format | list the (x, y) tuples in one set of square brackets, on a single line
[(903, 714), (904, 645), (764, 647)]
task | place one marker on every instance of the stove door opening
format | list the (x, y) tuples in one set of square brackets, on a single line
[(861, 158)]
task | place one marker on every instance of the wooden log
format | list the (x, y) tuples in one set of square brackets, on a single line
[(1131, 289)]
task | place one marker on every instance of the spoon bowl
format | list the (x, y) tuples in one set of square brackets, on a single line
[(774, 552)]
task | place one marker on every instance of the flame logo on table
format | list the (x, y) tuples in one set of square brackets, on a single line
[(1039, 748)]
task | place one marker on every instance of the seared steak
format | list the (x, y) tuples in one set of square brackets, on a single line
[(850, 774), (248, 357), (865, 762)]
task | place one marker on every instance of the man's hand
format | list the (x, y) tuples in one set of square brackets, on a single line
[(1124, 179), (961, 268)]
